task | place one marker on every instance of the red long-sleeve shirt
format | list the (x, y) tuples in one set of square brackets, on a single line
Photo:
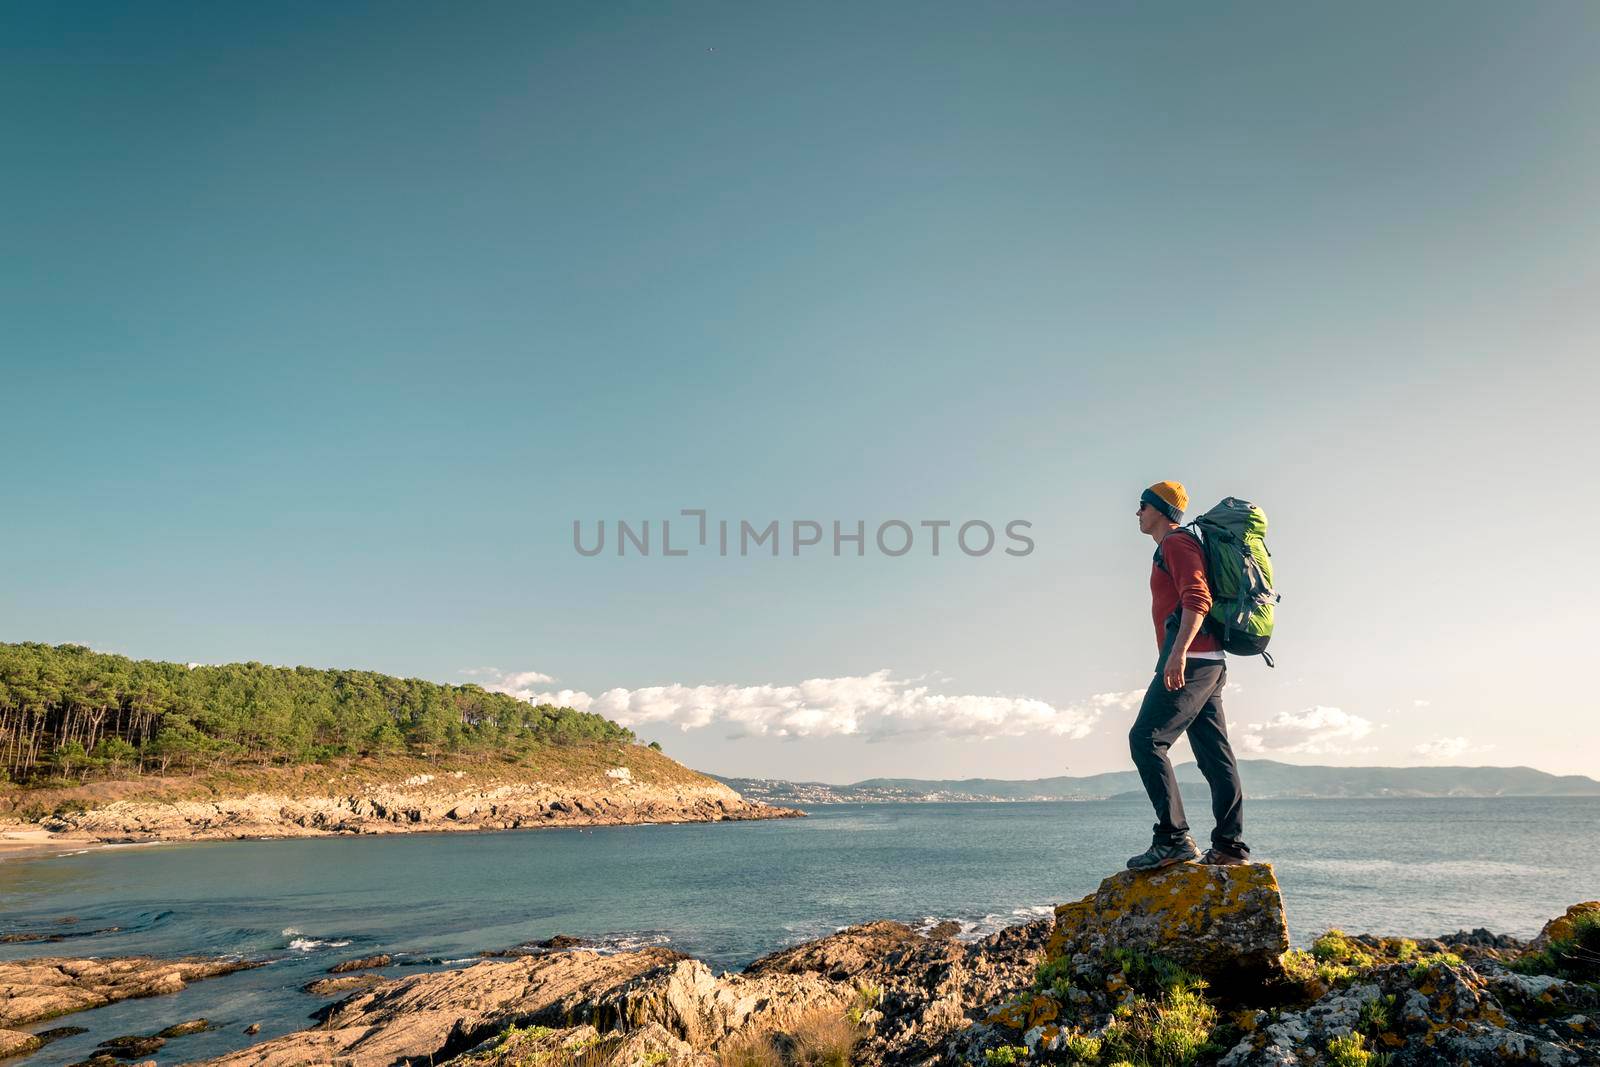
[(1181, 584)]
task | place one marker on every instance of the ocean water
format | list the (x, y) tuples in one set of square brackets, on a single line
[(730, 892)]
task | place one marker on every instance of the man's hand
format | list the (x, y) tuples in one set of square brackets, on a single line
[(1173, 674), (1188, 626)]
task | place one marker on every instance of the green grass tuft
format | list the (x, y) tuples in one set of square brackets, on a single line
[(1154, 975), (1169, 1031), (1338, 947), (1054, 978), (1421, 965), (1351, 1051)]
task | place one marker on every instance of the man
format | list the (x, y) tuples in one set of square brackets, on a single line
[(1186, 695)]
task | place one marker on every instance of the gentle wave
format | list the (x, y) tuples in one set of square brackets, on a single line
[(300, 943)]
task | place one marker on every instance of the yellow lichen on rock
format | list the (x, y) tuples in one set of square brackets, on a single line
[(1026, 1012), (1561, 928), (1070, 919), (1212, 919)]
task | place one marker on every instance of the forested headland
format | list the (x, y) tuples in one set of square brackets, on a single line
[(67, 712)]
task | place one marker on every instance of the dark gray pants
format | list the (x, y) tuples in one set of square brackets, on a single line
[(1196, 709)]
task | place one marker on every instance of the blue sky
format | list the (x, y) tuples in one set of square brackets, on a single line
[(324, 323)]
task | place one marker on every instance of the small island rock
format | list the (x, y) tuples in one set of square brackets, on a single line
[(362, 964)]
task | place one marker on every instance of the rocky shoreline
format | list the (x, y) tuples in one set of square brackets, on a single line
[(1185, 966), (422, 803), (36, 990)]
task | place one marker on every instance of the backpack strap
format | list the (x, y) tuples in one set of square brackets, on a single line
[(1160, 563), (1208, 625)]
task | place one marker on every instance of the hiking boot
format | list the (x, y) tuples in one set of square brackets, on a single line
[(1160, 855), (1218, 858)]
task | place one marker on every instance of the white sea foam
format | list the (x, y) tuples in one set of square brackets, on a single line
[(301, 943), (977, 929), (613, 943)]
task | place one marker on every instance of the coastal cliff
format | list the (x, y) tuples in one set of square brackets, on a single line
[(603, 784)]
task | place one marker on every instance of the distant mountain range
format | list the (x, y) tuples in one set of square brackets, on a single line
[(1263, 780)]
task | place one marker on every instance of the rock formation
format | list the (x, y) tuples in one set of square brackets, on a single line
[(36, 989), (1219, 922), (431, 805), (1562, 926), (16, 1043), (365, 963)]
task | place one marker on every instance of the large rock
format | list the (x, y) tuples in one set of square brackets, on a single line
[(703, 1010), (51, 986), (1561, 927), (1223, 922), (17, 1043)]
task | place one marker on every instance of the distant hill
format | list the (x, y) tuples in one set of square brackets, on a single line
[(1263, 779)]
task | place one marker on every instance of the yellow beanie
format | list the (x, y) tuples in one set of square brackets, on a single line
[(1169, 498)]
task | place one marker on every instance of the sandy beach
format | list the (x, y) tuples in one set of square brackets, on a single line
[(21, 842)]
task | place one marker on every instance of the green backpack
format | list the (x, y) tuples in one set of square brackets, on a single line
[(1239, 571)]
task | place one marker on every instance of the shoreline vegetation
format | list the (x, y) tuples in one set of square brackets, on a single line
[(1184, 967), (98, 749), (71, 714)]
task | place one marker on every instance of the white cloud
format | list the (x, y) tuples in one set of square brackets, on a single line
[(1447, 748), (873, 706), (524, 679), (1420, 703), (501, 682), (1315, 730)]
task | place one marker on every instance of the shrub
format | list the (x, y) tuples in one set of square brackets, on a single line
[(1377, 1015), (115, 752), (749, 1050), (868, 997), (1081, 1048), (824, 1038), (1054, 977), (1005, 1054)]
